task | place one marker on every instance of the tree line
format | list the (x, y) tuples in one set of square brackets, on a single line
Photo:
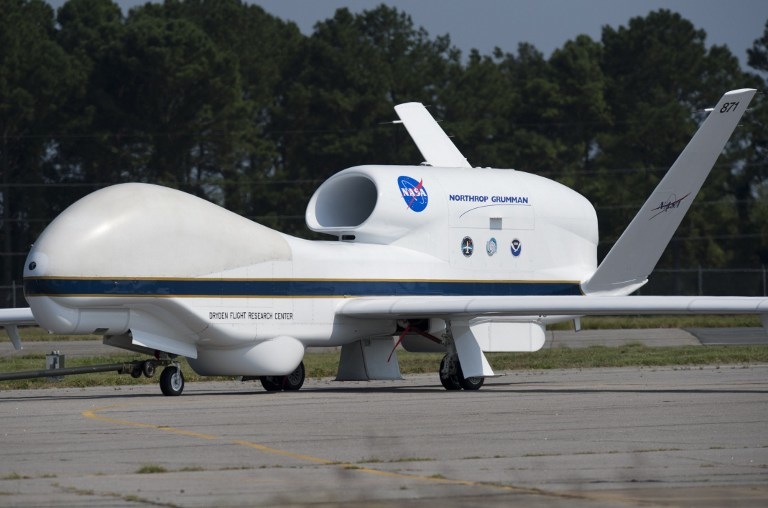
[(225, 101)]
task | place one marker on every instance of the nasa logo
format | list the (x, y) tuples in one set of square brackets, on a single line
[(491, 247), (467, 246), (414, 193), (517, 247)]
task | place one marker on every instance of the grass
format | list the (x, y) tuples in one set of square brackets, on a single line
[(672, 321), (37, 362), (151, 469), (319, 365), (325, 364), (35, 334)]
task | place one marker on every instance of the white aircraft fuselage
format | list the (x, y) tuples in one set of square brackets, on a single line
[(447, 257), (187, 277)]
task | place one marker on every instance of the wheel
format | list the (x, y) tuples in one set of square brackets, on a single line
[(271, 383), (136, 371), (450, 381), (470, 383), (172, 381), (148, 368), (295, 379)]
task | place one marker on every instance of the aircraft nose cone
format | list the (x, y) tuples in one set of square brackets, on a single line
[(142, 230)]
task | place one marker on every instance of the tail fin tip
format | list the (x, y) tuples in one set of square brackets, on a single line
[(633, 257)]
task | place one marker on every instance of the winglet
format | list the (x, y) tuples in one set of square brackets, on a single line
[(11, 319), (634, 256), (433, 143), (13, 334)]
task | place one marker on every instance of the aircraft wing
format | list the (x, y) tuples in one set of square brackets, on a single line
[(469, 346), (11, 319), (458, 307)]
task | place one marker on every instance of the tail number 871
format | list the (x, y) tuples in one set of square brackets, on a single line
[(729, 106)]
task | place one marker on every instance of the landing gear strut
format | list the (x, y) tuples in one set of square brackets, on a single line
[(449, 373), (451, 376), (171, 379), (291, 382)]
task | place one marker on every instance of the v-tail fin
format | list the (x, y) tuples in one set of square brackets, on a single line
[(433, 143), (634, 256)]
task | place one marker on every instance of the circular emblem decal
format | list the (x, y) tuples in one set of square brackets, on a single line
[(491, 247), (413, 192), (516, 247), (467, 246)]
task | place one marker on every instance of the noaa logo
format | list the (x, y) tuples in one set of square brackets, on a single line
[(491, 247), (467, 246), (516, 247), (414, 193)]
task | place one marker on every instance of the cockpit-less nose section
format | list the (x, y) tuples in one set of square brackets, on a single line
[(436, 257)]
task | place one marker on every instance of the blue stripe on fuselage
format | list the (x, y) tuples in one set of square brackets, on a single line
[(296, 288)]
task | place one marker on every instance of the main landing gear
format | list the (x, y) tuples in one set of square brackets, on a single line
[(452, 378), (171, 379), (291, 382)]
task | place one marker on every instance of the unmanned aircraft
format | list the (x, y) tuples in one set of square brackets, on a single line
[(440, 256)]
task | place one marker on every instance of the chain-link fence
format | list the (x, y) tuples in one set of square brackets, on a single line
[(687, 281), (708, 282)]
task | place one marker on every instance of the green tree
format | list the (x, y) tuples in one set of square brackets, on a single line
[(94, 152), (753, 174), (246, 153), (583, 110), (344, 83), (480, 106), (36, 79), (660, 81)]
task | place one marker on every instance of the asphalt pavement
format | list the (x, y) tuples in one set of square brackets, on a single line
[(671, 436), (685, 437)]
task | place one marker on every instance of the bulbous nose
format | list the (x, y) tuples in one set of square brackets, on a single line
[(142, 230), (130, 233)]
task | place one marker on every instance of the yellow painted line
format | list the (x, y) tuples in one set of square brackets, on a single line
[(284, 453), (93, 414)]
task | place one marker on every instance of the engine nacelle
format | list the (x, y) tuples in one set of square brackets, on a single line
[(429, 209), (375, 204)]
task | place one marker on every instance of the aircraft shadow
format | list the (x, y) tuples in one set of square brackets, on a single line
[(486, 391)]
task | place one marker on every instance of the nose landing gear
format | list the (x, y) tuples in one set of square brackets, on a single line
[(172, 380)]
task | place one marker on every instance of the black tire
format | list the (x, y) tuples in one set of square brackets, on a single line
[(295, 379), (172, 381), (450, 381), (272, 383), (148, 368), (470, 383)]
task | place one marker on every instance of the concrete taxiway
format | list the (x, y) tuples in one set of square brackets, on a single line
[(594, 437)]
